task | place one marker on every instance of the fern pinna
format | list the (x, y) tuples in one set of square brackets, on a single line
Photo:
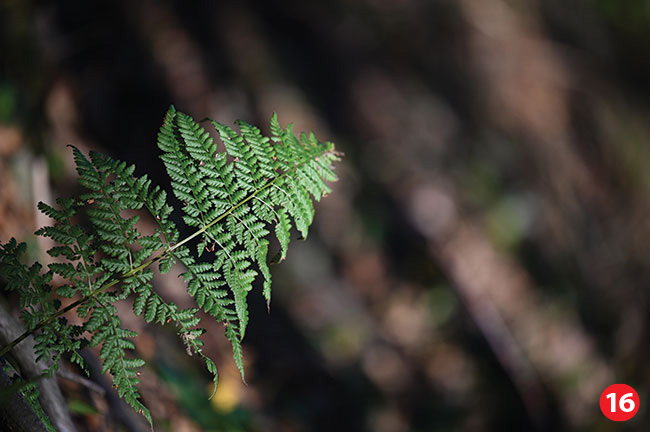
[(233, 199)]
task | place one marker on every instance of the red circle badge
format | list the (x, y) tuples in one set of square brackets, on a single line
[(619, 402)]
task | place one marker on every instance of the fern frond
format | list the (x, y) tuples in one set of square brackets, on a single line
[(233, 199)]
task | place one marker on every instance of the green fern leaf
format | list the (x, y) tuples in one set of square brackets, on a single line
[(233, 199)]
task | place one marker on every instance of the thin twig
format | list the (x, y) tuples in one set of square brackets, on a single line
[(91, 385)]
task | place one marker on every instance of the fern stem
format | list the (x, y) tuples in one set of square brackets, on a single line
[(147, 263), (51, 318), (133, 271)]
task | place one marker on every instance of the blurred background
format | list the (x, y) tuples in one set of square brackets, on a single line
[(482, 264)]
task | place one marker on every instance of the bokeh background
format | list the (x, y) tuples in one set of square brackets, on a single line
[(482, 264)]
